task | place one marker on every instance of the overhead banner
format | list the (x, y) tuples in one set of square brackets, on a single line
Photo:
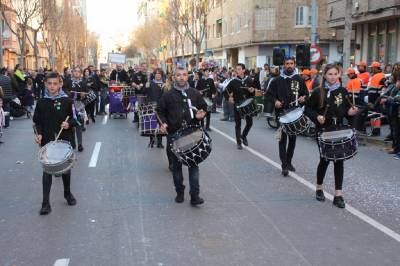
[(116, 58)]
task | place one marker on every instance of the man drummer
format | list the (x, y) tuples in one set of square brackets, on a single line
[(239, 89), (175, 109), (287, 91), (50, 115), (207, 90)]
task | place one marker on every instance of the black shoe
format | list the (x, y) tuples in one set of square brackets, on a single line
[(285, 171), (83, 129), (338, 201), (46, 209), (224, 119), (171, 168), (180, 197), (244, 140), (87, 122), (319, 195), (28, 115), (93, 120), (291, 168), (80, 148), (70, 199), (160, 146), (239, 147), (196, 200)]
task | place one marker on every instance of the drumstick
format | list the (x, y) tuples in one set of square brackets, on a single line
[(352, 104), (35, 131), (80, 92), (59, 133), (354, 101)]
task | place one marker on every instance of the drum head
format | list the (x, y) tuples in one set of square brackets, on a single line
[(246, 102), (187, 139), (291, 116), (338, 134), (55, 152)]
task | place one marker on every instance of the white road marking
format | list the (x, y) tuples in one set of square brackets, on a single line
[(95, 155), (389, 232), (62, 262), (105, 119)]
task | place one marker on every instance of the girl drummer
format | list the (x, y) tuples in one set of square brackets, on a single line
[(328, 105), (50, 115)]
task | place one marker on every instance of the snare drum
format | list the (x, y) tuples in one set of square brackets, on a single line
[(338, 144), (209, 103), (191, 145), (56, 157), (247, 108), (294, 122), (90, 97)]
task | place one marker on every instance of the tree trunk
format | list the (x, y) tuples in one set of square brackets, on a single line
[(198, 49), (36, 49)]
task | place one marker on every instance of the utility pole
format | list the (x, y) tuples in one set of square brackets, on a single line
[(1, 43), (314, 22), (347, 34)]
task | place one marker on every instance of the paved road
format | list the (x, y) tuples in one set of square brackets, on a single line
[(252, 216)]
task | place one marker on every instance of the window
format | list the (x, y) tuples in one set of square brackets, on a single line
[(245, 21), (264, 19), (303, 16), (219, 28)]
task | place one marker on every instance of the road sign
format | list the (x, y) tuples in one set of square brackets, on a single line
[(316, 54)]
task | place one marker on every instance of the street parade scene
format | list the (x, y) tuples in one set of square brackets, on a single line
[(199, 132)]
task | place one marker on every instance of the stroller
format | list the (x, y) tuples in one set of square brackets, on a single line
[(16, 109)]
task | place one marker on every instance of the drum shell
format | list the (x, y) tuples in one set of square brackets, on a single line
[(295, 125), (337, 149), (250, 109), (59, 167), (198, 152)]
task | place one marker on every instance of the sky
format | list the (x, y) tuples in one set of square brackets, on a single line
[(113, 21)]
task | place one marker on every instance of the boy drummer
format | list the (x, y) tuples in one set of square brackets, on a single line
[(49, 117)]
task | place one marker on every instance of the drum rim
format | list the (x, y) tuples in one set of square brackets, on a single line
[(249, 100), (69, 155)]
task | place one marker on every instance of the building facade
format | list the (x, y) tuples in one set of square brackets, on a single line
[(247, 31), (377, 28)]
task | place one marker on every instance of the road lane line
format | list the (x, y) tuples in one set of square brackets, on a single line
[(62, 262), (95, 155), (389, 232), (105, 119)]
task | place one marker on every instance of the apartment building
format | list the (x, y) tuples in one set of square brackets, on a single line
[(377, 28)]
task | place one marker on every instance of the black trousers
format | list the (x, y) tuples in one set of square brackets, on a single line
[(159, 139), (238, 126), (47, 181), (394, 122), (338, 168), (286, 148), (90, 109), (207, 118)]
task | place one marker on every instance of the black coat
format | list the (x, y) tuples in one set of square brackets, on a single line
[(207, 86), (78, 87), (336, 106), (173, 108), (239, 89), (121, 77), (140, 78), (284, 90), (48, 117), (154, 92)]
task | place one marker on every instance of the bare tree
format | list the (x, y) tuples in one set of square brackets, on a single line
[(194, 19), (173, 16), (25, 11)]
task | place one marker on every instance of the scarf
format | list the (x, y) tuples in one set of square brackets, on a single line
[(285, 75), (181, 89), (331, 87), (61, 94)]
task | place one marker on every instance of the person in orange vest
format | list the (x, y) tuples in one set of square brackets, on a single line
[(354, 85), (376, 83), (362, 73), (306, 75), (314, 78)]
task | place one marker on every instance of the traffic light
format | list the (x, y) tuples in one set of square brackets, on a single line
[(278, 57), (303, 55)]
